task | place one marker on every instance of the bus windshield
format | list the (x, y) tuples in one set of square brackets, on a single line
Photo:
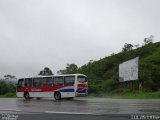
[(82, 79)]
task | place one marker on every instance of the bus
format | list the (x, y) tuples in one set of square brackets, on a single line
[(57, 87)]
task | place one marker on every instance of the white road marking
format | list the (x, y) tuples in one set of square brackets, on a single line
[(10, 110), (71, 113)]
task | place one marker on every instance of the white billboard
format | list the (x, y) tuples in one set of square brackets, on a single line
[(128, 70)]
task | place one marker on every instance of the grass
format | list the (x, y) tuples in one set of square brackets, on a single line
[(130, 95), (8, 95)]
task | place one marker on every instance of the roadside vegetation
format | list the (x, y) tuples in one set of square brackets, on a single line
[(128, 95), (7, 89)]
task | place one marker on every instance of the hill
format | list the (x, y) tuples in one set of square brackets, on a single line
[(103, 74)]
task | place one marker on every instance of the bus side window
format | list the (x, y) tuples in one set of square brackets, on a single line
[(58, 81), (47, 81), (69, 80), (28, 82), (37, 81), (43, 82)]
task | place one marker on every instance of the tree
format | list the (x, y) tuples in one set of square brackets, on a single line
[(60, 72), (127, 47), (10, 78), (46, 71), (136, 46), (148, 40), (70, 69)]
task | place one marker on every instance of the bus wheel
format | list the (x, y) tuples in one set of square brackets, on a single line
[(26, 96), (57, 95)]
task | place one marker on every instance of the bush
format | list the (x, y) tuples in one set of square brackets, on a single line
[(121, 91), (10, 95), (7, 88)]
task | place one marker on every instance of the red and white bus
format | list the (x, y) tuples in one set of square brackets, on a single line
[(60, 86)]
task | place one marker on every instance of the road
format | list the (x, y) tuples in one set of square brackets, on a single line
[(79, 108)]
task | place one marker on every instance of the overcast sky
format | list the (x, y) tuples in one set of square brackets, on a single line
[(51, 33)]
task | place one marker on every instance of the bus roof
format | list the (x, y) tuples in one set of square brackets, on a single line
[(56, 75)]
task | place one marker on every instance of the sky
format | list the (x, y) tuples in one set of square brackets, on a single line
[(52, 33)]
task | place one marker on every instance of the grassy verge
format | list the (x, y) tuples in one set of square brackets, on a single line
[(130, 95), (8, 95)]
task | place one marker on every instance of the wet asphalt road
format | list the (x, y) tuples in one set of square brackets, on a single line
[(79, 108)]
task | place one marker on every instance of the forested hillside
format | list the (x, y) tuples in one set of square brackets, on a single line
[(103, 74)]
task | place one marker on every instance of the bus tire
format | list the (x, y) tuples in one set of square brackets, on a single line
[(26, 96), (57, 95)]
